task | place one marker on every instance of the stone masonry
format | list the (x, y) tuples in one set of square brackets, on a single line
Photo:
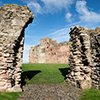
[(83, 55), (49, 51), (13, 21), (84, 58)]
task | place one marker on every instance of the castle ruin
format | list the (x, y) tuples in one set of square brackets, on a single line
[(49, 51), (84, 58), (13, 21), (83, 54)]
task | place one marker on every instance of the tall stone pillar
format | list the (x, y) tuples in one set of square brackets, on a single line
[(13, 21), (84, 58)]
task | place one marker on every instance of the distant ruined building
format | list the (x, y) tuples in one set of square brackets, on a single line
[(49, 51)]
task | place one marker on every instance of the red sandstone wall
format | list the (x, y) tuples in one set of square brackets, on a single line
[(54, 53), (58, 54), (31, 57)]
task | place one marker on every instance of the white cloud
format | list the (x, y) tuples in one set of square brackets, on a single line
[(60, 35), (49, 6), (53, 6), (68, 17), (35, 6), (85, 14)]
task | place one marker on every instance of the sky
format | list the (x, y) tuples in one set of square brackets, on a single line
[(53, 18)]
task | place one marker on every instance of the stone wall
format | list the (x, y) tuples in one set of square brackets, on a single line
[(49, 51), (84, 58), (13, 21)]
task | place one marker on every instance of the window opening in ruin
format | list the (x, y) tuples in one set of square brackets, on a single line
[(12, 82), (78, 84), (54, 53), (43, 50)]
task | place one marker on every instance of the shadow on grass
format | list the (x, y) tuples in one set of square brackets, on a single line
[(28, 75), (64, 71)]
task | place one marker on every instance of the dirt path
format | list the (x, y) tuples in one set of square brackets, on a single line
[(51, 92)]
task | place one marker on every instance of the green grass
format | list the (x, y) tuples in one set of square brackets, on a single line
[(91, 94), (10, 95), (44, 73), (53, 73), (38, 74)]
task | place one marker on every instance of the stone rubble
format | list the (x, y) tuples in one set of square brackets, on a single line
[(13, 21), (84, 58)]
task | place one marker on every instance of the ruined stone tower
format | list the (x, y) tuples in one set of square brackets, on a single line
[(84, 58), (13, 21)]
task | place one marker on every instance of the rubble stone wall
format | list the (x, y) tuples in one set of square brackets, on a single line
[(13, 21), (84, 58), (49, 51)]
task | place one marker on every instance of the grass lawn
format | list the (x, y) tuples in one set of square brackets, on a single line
[(44, 74), (91, 94), (10, 95), (53, 73)]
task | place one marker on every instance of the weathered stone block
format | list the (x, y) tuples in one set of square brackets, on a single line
[(84, 84)]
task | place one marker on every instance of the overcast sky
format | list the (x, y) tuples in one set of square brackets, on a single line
[(53, 18)]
